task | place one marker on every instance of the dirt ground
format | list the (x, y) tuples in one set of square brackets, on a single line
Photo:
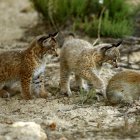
[(61, 117)]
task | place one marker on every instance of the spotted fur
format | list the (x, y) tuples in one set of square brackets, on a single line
[(28, 66), (80, 57)]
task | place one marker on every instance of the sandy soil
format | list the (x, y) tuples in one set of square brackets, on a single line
[(61, 117)]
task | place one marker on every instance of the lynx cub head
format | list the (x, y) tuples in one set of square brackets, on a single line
[(111, 53), (45, 45)]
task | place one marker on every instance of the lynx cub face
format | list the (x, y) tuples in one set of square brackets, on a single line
[(27, 66), (85, 61), (124, 87)]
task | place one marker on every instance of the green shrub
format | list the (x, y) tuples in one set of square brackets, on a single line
[(84, 15), (87, 97), (114, 28)]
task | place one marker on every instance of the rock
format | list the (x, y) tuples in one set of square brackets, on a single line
[(22, 131)]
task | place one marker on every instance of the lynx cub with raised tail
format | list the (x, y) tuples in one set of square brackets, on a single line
[(27, 66), (124, 87), (85, 60)]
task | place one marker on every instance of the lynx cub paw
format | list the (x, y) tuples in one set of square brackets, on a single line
[(27, 97), (101, 92), (4, 94), (44, 94), (67, 93)]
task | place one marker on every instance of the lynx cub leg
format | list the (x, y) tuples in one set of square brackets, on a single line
[(38, 86), (65, 81), (94, 79), (80, 83), (26, 87), (43, 93)]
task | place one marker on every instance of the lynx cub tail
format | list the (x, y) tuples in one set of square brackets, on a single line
[(124, 87), (80, 57), (27, 66)]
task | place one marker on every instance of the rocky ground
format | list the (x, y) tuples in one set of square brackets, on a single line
[(56, 118)]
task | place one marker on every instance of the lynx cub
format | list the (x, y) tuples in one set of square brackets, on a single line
[(27, 66), (85, 61), (124, 87)]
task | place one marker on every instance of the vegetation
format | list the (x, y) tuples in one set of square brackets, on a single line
[(87, 97), (115, 16)]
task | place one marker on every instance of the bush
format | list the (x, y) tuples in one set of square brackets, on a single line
[(85, 14)]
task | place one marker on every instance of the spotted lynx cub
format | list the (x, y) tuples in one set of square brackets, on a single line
[(27, 66), (85, 61), (124, 87)]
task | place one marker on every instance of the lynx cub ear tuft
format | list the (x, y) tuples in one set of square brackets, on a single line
[(41, 38), (117, 44), (53, 35), (104, 49)]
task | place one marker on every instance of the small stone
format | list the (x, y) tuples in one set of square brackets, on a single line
[(22, 131)]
